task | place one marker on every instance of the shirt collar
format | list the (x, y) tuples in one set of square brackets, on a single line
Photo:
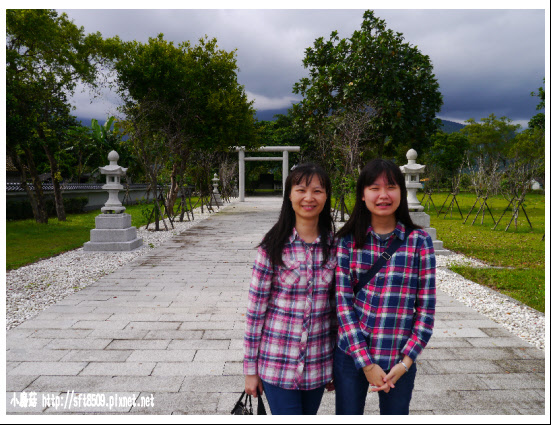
[(294, 237), (399, 231)]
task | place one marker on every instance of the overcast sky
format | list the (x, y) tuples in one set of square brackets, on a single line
[(486, 61)]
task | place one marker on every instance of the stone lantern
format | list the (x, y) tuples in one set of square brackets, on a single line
[(412, 172), (113, 173), (114, 230), (215, 194)]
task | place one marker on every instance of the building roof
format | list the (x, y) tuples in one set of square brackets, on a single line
[(16, 187)]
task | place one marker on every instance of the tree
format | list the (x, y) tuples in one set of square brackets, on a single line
[(491, 138), (376, 71), (46, 56), (21, 145), (538, 120), (80, 148), (446, 155), (198, 103), (528, 148), (147, 145)]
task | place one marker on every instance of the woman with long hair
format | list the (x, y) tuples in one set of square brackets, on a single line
[(385, 325), (291, 324)]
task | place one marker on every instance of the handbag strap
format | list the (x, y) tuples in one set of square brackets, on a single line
[(250, 399), (383, 258), (261, 408)]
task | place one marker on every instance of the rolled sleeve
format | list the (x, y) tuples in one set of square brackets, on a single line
[(425, 302), (259, 294), (351, 338)]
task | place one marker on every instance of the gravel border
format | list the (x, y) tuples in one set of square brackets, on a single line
[(518, 318), (30, 289)]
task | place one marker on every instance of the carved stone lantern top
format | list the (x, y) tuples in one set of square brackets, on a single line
[(113, 168), (412, 167)]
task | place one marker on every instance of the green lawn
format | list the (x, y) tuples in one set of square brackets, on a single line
[(524, 285), (521, 250), (28, 241)]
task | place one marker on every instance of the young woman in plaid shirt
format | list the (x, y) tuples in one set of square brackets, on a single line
[(387, 324), (291, 323)]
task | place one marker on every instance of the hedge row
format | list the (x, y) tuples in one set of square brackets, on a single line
[(22, 210)]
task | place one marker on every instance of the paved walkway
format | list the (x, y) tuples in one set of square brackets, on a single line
[(170, 325)]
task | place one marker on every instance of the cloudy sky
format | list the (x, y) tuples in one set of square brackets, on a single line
[(486, 61)]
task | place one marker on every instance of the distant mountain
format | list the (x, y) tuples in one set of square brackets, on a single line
[(87, 122), (450, 126), (269, 115)]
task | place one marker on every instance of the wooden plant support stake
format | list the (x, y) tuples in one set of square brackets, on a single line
[(516, 213), (483, 208), (450, 207), (471, 210), (429, 200), (160, 197), (504, 211), (170, 219), (437, 215), (183, 204)]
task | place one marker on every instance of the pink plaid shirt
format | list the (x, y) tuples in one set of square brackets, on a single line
[(291, 320)]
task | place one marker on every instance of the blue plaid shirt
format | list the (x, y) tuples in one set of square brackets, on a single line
[(393, 315)]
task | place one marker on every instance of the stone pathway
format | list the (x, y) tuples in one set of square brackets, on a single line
[(168, 328)]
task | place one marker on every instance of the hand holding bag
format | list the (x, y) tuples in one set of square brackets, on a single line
[(241, 407)]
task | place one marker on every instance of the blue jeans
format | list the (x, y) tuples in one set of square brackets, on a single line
[(351, 389), (293, 402)]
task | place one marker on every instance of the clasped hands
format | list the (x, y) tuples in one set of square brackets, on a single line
[(381, 381)]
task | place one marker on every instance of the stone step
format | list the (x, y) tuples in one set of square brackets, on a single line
[(113, 235), (113, 246)]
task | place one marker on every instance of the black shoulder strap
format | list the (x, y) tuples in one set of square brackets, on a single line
[(383, 258)]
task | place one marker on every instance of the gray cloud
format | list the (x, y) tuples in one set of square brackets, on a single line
[(486, 61)]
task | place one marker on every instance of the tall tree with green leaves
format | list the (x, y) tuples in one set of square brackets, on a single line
[(528, 148), (447, 154), (197, 102), (377, 70), (46, 56), (492, 137)]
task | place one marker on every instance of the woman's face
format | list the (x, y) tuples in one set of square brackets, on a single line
[(308, 200), (382, 198)]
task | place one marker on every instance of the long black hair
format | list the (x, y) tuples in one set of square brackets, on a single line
[(360, 219), (275, 239)]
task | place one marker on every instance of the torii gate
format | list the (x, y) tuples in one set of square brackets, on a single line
[(284, 158)]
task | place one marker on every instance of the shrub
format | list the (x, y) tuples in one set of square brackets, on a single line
[(22, 210)]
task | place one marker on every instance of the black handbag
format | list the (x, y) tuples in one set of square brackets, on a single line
[(241, 407)]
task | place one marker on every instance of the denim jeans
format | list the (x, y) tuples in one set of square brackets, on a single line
[(351, 389), (293, 402)]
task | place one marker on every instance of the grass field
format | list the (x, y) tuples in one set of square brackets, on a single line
[(520, 251), (28, 241)]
